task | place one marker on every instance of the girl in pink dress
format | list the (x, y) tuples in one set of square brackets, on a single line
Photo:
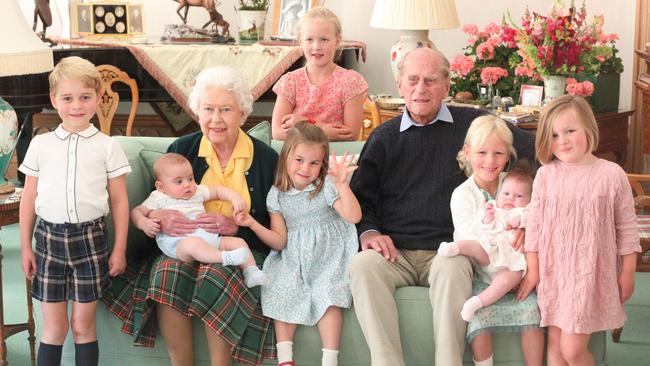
[(321, 91), (581, 234)]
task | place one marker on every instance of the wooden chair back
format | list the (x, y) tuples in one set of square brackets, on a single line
[(109, 99), (370, 109), (638, 182)]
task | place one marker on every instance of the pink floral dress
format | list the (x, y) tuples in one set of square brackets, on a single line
[(322, 103)]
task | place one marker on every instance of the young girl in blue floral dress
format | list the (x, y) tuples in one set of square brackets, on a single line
[(313, 237)]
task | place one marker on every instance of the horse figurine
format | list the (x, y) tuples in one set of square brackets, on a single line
[(211, 7), (42, 11)]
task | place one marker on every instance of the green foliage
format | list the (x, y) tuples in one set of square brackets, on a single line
[(254, 4)]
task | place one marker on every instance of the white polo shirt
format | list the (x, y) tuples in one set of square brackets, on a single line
[(73, 170)]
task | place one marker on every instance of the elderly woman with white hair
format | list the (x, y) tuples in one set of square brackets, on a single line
[(220, 154)]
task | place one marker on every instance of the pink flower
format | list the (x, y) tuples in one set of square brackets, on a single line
[(462, 65), (583, 89), (490, 75), (493, 28), (485, 51), (471, 29)]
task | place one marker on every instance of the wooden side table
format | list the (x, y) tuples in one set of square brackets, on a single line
[(9, 206)]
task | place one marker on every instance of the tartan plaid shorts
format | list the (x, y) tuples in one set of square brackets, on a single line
[(71, 261)]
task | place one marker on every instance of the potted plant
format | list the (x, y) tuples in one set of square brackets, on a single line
[(252, 19)]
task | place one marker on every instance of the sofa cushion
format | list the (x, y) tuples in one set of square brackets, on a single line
[(262, 132)]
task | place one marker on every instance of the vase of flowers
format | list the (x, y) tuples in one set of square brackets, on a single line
[(490, 59), (554, 86)]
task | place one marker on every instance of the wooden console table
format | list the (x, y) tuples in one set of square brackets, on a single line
[(9, 207), (613, 128)]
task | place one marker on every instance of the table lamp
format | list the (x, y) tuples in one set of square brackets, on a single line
[(21, 53), (414, 18)]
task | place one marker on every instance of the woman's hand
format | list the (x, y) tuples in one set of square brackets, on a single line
[(216, 223), (173, 222), (340, 169), (28, 262), (151, 227)]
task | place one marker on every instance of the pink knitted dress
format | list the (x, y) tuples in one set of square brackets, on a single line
[(581, 219)]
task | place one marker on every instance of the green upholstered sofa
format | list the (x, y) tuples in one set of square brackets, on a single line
[(116, 348)]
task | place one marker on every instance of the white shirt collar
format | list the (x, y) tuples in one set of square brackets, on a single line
[(61, 133), (443, 115)]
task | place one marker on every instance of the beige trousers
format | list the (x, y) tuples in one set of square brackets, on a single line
[(373, 281)]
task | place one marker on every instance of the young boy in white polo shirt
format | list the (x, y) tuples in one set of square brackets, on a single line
[(71, 176)]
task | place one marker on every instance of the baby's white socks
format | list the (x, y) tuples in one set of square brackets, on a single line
[(448, 249), (254, 276), (330, 357), (285, 351), (487, 362), (470, 307), (234, 257)]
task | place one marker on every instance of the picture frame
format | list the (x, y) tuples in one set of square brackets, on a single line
[(286, 14), (135, 20), (83, 19), (531, 95)]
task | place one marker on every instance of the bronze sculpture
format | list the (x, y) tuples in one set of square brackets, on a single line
[(215, 17), (42, 11)]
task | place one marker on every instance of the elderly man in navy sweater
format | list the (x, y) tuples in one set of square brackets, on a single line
[(407, 172)]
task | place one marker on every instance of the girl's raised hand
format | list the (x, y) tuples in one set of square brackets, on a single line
[(340, 168)]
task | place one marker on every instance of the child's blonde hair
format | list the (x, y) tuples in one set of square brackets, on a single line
[(544, 134), (75, 68), (167, 160), (319, 13), (302, 133), (479, 131)]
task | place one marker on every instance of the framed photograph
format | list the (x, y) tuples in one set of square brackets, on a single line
[(531, 95), (135, 18), (84, 19), (286, 14)]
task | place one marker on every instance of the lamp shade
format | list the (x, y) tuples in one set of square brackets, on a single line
[(414, 14), (22, 52)]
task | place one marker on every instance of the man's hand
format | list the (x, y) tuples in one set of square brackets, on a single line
[(216, 223), (383, 244)]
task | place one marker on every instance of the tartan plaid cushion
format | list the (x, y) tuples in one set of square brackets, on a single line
[(214, 293)]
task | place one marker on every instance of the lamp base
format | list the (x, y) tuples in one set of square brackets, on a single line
[(408, 41), (7, 188)]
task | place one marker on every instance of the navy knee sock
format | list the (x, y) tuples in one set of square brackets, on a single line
[(86, 354), (49, 354)]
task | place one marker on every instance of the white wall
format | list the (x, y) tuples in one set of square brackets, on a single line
[(355, 17)]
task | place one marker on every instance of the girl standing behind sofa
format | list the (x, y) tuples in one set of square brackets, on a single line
[(581, 243), (313, 238), (321, 91)]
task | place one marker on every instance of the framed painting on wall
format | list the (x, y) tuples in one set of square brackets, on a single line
[(286, 14)]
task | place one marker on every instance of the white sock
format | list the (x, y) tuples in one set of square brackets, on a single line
[(448, 249), (285, 351), (330, 357), (254, 276), (470, 307), (487, 362), (234, 257)]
